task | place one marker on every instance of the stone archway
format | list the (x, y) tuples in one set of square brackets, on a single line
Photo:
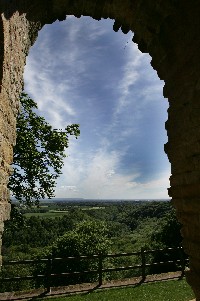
[(169, 32)]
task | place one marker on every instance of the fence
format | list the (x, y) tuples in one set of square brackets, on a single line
[(179, 261)]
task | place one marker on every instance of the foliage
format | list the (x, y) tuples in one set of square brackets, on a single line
[(38, 154), (36, 232), (133, 215), (17, 218), (11, 271), (151, 232), (88, 238), (169, 231), (167, 235), (104, 229)]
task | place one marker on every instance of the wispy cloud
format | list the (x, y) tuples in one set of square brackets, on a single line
[(130, 75), (100, 178), (79, 71)]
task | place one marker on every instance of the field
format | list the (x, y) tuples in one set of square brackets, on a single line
[(48, 214), (161, 291), (52, 210)]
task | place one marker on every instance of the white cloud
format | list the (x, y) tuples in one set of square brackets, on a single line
[(54, 74), (97, 176), (91, 175), (110, 173), (54, 98), (70, 188), (95, 172), (130, 75)]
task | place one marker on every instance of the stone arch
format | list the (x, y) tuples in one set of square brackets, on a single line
[(168, 31)]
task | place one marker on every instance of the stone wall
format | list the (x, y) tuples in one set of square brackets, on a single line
[(169, 31), (15, 42)]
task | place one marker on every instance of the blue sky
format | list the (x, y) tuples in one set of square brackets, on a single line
[(81, 71)]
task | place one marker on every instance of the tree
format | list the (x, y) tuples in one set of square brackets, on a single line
[(167, 235), (87, 238), (38, 154)]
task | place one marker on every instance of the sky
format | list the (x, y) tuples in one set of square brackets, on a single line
[(81, 71)]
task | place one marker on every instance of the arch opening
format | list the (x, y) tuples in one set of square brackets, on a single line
[(145, 101), (99, 79)]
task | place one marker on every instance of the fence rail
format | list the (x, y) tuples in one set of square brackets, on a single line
[(100, 270)]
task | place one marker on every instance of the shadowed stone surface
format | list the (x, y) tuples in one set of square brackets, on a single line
[(169, 31)]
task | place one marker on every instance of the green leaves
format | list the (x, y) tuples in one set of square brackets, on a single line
[(88, 238), (38, 154)]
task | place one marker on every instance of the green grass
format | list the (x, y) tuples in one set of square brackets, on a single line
[(92, 208), (52, 213), (46, 214), (174, 290)]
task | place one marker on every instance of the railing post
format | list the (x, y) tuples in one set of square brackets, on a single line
[(182, 258), (49, 270), (100, 269), (143, 264)]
